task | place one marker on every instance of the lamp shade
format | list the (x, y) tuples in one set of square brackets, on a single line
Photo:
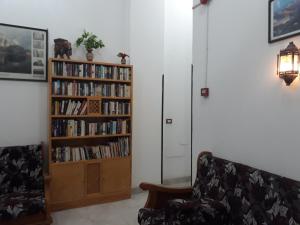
[(288, 63)]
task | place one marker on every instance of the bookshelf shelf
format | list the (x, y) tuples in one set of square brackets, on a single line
[(89, 116), (91, 161), (90, 137), (89, 79), (86, 97), (90, 62), (82, 101)]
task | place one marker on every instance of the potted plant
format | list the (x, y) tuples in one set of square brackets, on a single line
[(123, 57), (90, 42)]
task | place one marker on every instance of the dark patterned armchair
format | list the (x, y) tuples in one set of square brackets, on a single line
[(224, 193), (23, 187)]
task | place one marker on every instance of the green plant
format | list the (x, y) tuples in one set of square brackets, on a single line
[(89, 40)]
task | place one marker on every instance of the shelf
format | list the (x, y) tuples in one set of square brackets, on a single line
[(88, 116), (94, 97), (90, 79), (89, 137), (90, 161), (88, 62)]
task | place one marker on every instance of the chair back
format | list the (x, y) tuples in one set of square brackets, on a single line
[(251, 196), (21, 169)]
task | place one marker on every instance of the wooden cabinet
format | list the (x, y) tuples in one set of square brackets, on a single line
[(115, 175), (93, 178), (90, 105), (67, 182)]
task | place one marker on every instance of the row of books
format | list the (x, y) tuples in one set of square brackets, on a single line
[(115, 108), (69, 107), (67, 88), (120, 148), (75, 128), (91, 71)]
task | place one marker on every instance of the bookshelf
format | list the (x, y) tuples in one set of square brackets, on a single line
[(90, 120)]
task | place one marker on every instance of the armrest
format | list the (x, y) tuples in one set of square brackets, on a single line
[(159, 195), (47, 180)]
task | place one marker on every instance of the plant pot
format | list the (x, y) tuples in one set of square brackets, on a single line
[(123, 60), (90, 55)]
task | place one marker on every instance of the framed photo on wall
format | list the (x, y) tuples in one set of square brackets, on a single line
[(23, 53), (284, 19)]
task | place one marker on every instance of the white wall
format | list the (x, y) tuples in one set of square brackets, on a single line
[(146, 51), (177, 70), (23, 111), (161, 42), (134, 26), (250, 116)]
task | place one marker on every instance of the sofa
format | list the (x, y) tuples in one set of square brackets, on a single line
[(224, 192), (23, 186)]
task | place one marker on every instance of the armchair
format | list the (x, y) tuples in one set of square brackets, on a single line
[(224, 192), (24, 191)]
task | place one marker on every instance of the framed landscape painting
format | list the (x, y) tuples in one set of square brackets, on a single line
[(23, 53), (284, 19)]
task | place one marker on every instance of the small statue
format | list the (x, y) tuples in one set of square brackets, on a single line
[(123, 57), (62, 47)]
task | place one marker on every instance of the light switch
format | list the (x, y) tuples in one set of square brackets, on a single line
[(169, 121)]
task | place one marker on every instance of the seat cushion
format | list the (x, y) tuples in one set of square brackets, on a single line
[(15, 205), (152, 217), (202, 211), (182, 212)]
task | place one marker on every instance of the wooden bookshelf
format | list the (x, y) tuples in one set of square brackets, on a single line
[(90, 122)]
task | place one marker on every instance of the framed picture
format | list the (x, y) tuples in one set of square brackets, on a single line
[(284, 19), (23, 53)]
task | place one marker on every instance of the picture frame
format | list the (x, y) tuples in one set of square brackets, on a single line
[(284, 19), (23, 53)]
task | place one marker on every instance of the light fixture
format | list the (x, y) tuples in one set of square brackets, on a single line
[(288, 63)]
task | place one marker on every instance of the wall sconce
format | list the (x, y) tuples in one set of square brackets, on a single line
[(288, 63)]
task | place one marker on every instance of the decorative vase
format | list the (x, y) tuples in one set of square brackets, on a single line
[(90, 55), (123, 60)]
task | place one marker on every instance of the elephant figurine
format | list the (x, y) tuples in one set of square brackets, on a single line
[(62, 47)]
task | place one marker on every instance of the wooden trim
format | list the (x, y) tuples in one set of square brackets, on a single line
[(90, 161), (86, 97), (89, 62), (165, 189), (87, 116), (36, 219), (159, 195), (89, 137), (47, 180), (90, 79)]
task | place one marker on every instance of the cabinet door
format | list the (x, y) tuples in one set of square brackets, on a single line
[(93, 178), (67, 183), (116, 175)]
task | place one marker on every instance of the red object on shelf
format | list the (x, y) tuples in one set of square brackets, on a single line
[(205, 92), (203, 2)]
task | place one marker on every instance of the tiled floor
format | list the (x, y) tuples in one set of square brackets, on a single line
[(116, 213)]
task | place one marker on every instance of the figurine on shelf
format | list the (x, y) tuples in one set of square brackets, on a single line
[(123, 57), (62, 48)]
